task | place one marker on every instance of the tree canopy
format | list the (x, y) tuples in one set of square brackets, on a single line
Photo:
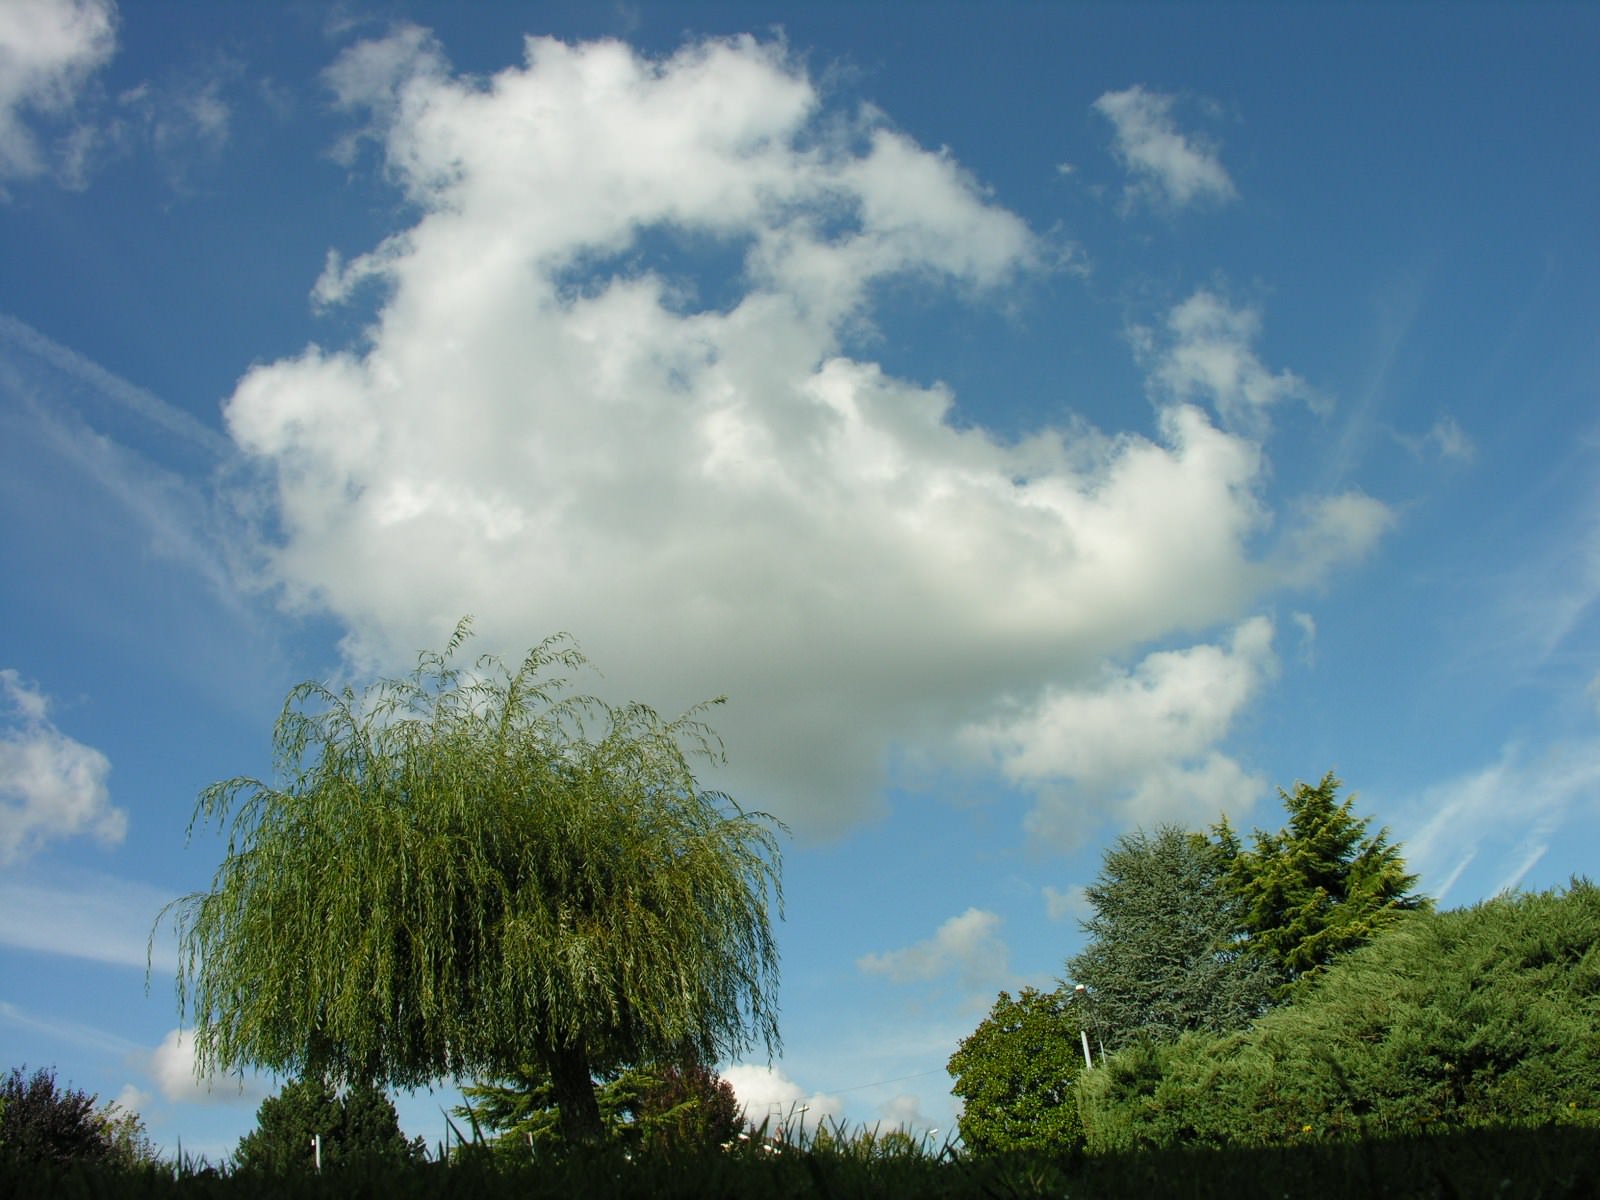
[(1016, 1075), (1162, 958), (462, 869), (43, 1123)]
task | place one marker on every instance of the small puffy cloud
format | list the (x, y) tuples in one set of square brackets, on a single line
[(1307, 625), (1205, 353), (48, 50), (132, 1099), (1071, 903), (767, 1094), (171, 1067), (1141, 740), (1167, 166), (903, 1112), (1332, 531), (1445, 439), (51, 786), (967, 946)]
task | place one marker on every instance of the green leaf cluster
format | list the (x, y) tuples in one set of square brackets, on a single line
[(465, 869), (1017, 1076), (1472, 1018), (358, 1126)]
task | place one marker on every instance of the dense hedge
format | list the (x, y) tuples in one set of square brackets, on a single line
[(1474, 1018)]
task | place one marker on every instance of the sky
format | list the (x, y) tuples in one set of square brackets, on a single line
[(1039, 421)]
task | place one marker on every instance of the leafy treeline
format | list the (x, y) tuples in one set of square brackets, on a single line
[(1481, 1017), (1292, 989), (1201, 932)]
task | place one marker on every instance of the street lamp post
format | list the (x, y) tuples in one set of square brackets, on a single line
[(1080, 992)]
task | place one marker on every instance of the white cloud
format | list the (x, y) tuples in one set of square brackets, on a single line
[(1141, 740), (903, 1112), (51, 786), (132, 1099), (48, 50), (1332, 531), (171, 1067), (1061, 904), (1445, 439), (1307, 625), (768, 1095), (1205, 353), (967, 946), (1167, 165), (564, 419), (36, 364), (184, 121)]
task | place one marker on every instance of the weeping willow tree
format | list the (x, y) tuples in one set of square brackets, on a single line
[(461, 871)]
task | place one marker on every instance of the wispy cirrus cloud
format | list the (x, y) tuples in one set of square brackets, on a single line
[(88, 915), (1509, 808)]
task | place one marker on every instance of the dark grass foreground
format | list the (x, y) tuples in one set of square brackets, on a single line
[(1505, 1164)]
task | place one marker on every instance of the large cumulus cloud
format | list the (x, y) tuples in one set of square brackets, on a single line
[(614, 384)]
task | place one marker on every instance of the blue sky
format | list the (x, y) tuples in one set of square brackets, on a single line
[(1038, 420)]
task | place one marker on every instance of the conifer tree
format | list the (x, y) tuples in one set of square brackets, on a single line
[(361, 1124), (1318, 887), (1163, 957)]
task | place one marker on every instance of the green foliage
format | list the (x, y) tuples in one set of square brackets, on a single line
[(688, 1108), (1162, 957), (1469, 1019), (462, 869), (1016, 1075), (124, 1130), (1320, 886), (658, 1109), (40, 1123), (359, 1126)]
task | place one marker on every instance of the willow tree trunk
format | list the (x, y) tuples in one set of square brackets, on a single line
[(573, 1084)]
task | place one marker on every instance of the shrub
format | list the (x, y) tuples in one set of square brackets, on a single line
[(1475, 1018), (40, 1123)]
